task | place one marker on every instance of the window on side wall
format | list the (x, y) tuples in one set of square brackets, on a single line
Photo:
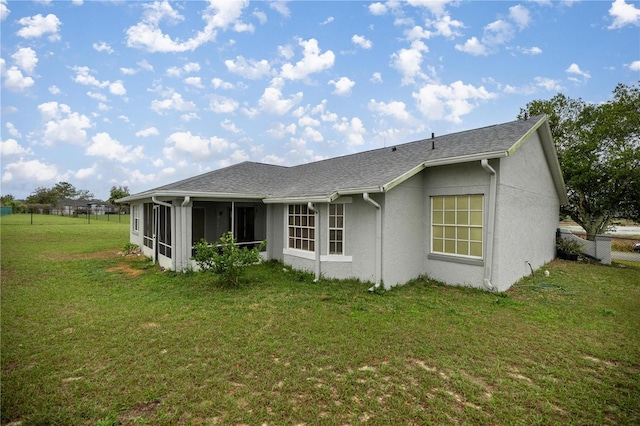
[(336, 229), (301, 228), (135, 218), (456, 225)]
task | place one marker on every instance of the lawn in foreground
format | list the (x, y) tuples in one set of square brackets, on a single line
[(92, 337)]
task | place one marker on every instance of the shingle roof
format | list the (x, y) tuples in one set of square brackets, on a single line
[(360, 171)]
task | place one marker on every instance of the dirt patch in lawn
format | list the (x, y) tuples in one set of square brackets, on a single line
[(105, 254), (126, 269), (140, 411)]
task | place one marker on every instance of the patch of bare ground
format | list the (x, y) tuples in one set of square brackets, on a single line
[(140, 411), (105, 254), (126, 269)]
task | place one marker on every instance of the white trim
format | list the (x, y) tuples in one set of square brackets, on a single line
[(311, 255), (335, 258)]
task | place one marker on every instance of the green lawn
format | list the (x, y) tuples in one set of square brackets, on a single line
[(90, 337)]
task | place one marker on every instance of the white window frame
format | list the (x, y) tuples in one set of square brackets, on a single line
[(135, 218), (455, 227), (335, 225), (300, 227)]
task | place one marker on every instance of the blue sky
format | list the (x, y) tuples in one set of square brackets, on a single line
[(136, 93)]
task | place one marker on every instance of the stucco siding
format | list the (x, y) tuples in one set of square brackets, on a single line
[(459, 179), (526, 215)]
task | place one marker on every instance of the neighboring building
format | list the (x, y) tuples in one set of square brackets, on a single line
[(69, 207), (477, 208)]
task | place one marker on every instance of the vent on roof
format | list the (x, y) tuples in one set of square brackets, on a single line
[(394, 149), (433, 143)]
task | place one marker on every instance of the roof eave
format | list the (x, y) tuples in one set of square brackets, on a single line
[(192, 194)]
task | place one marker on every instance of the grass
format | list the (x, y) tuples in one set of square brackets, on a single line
[(90, 337)]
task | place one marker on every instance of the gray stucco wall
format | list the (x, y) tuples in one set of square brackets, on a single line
[(404, 233), (527, 214), (456, 179)]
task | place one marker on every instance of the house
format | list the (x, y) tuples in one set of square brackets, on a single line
[(477, 208), (69, 207)]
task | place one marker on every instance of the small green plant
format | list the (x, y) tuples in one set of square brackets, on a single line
[(569, 246), (225, 259)]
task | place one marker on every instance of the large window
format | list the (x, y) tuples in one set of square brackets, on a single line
[(301, 228), (336, 229), (148, 224), (164, 231), (456, 225)]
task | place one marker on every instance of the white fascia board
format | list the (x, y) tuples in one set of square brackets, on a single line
[(466, 158), (301, 199), (397, 181), (192, 194), (526, 136)]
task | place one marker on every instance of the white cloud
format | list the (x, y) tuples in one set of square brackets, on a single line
[(409, 62), (535, 50), (574, 69), (447, 27), (104, 146), (195, 147), (13, 78), (473, 46), (87, 172), (634, 66), (103, 47), (342, 86), (623, 14), (327, 21), (175, 102), (218, 83), (32, 171), (279, 130), (145, 65), (353, 130), (442, 102), (376, 77), (395, 109), (219, 14), (377, 8), (520, 15), (251, 69), (194, 81), (286, 51), (309, 133), (272, 101), (83, 77), (62, 124), (312, 61), (498, 32), (361, 41), (191, 67), (548, 84), (189, 117), (128, 71), (12, 130), (262, 17), (4, 10), (26, 59), (281, 7), (222, 105), (97, 96), (12, 147), (117, 88), (54, 90), (230, 126), (38, 25), (149, 131)]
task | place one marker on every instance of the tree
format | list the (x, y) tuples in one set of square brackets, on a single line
[(61, 190), (599, 152), (117, 193)]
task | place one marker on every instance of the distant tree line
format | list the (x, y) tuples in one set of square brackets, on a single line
[(50, 197)]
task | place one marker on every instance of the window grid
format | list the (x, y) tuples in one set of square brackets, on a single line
[(456, 225), (135, 215), (336, 229), (301, 228)]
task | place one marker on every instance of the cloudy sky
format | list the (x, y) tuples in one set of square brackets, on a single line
[(136, 93)]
